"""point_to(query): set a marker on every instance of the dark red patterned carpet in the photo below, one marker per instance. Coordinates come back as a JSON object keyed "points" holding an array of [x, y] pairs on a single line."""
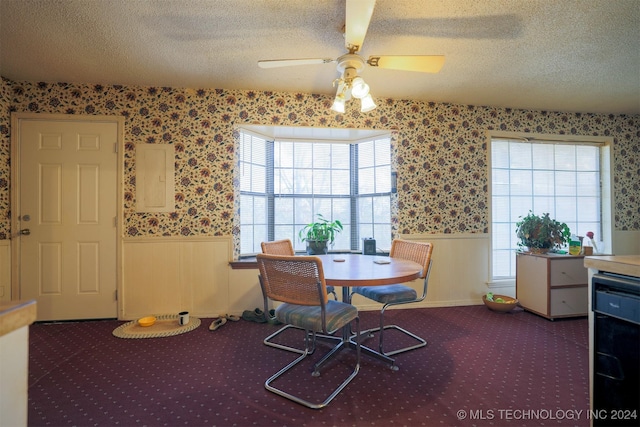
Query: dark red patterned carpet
{"points": [[479, 368]]}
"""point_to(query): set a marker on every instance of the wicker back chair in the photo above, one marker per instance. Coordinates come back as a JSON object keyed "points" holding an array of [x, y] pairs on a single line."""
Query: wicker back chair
{"points": [[278, 247], [285, 247], [281, 247], [390, 295], [298, 282]]}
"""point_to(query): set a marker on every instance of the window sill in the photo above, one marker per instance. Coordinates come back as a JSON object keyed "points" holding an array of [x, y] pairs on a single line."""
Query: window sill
{"points": [[249, 263]]}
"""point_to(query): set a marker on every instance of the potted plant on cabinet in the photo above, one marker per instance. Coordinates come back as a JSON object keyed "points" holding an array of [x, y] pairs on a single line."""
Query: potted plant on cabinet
{"points": [[319, 234], [540, 234]]}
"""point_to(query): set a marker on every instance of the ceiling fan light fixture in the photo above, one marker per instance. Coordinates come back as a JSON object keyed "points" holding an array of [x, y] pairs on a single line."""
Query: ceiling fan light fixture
{"points": [[367, 104], [359, 89], [338, 104], [342, 95], [350, 84]]}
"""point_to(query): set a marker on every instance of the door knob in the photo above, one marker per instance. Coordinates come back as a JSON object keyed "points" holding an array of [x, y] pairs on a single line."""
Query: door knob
{"points": [[25, 232]]}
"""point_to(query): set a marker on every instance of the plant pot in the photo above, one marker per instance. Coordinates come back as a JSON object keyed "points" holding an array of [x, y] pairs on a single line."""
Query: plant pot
{"points": [[539, 250], [317, 247]]}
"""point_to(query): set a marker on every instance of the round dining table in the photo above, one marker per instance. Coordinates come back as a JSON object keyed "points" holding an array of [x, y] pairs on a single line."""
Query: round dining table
{"points": [[349, 270]]}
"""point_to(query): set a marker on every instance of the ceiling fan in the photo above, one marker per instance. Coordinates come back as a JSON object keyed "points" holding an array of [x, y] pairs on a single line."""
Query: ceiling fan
{"points": [[358, 16]]}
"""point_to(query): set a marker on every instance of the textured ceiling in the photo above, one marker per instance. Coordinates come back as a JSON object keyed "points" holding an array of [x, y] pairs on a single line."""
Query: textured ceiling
{"points": [[558, 55]]}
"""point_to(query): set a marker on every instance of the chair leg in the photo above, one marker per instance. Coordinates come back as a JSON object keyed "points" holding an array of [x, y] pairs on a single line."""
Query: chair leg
{"points": [[382, 328], [282, 393], [313, 405], [267, 341], [421, 341]]}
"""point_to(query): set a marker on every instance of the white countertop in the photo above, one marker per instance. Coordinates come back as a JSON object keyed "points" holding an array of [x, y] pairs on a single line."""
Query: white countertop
{"points": [[16, 314], [621, 264]]}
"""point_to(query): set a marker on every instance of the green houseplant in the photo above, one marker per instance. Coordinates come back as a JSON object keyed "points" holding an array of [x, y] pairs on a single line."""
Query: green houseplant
{"points": [[541, 233], [319, 234]]}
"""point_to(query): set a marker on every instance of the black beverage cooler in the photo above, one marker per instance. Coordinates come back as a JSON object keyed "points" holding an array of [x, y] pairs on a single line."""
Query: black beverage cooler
{"points": [[616, 376]]}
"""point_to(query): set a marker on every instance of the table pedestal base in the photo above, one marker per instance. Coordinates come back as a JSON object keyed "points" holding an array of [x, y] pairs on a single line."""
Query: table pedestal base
{"points": [[347, 342]]}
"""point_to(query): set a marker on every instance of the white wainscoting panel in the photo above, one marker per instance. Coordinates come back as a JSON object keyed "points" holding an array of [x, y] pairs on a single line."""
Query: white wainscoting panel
{"points": [[459, 271], [169, 275], [244, 291]]}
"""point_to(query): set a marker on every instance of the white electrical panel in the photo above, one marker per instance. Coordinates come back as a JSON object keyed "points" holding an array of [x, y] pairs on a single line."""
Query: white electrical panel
{"points": [[155, 178]]}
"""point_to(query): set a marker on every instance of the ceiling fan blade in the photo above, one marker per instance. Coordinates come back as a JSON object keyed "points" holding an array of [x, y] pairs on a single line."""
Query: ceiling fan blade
{"points": [[357, 22], [275, 63], [422, 63]]}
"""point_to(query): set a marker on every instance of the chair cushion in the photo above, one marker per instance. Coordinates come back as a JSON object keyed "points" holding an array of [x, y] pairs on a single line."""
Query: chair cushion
{"points": [[309, 316], [387, 294]]}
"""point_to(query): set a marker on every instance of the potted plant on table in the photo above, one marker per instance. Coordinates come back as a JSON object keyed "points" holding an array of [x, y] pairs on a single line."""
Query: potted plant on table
{"points": [[319, 235], [540, 234]]}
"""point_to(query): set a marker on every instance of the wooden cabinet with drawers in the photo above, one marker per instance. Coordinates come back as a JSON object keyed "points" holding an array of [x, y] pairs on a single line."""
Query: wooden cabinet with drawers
{"points": [[552, 285]]}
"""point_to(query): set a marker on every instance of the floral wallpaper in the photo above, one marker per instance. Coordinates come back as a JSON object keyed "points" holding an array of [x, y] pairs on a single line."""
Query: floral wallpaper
{"points": [[439, 150], [5, 160]]}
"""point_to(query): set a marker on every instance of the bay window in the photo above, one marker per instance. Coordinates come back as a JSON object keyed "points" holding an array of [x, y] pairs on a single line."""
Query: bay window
{"points": [[286, 183]]}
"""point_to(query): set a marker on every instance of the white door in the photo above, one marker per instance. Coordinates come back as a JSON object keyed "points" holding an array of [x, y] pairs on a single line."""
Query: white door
{"points": [[67, 213]]}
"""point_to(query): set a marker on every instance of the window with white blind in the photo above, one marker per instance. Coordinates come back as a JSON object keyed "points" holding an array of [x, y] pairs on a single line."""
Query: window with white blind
{"points": [[559, 178], [285, 184]]}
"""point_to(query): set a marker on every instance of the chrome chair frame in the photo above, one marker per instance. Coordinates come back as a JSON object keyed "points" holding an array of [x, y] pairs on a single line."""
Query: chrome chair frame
{"points": [[280, 247], [298, 282], [414, 251]]}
